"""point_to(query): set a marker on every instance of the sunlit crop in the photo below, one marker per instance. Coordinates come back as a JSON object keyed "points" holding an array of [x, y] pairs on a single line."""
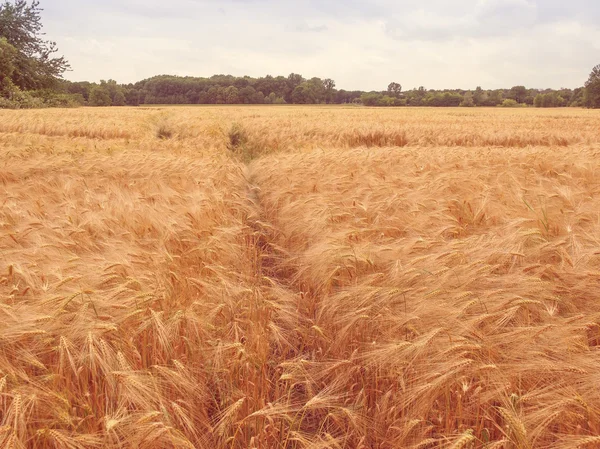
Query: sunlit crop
{"points": [[299, 277]]}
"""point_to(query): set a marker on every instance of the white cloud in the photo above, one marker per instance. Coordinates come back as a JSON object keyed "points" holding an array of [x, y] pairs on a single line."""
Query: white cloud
{"points": [[435, 43]]}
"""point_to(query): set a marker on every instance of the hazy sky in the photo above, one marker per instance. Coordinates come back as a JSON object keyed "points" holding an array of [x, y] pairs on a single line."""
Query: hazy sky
{"points": [[360, 44]]}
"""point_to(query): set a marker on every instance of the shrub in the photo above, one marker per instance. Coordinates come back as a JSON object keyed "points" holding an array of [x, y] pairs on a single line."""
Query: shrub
{"points": [[510, 103], [164, 131], [21, 100], [238, 142]]}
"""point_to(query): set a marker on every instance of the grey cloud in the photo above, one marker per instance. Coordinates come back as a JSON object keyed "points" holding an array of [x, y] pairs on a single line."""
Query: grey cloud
{"points": [[436, 43], [584, 11], [466, 19]]}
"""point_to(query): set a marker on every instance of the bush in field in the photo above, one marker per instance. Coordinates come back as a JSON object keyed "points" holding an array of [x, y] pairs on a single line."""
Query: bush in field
{"points": [[510, 103]]}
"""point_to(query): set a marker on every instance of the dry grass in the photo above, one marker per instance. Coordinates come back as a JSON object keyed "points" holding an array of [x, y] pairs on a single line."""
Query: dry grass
{"points": [[371, 279]]}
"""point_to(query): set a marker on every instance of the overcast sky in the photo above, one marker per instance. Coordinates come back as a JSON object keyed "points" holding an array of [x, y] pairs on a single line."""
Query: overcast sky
{"points": [[360, 44]]}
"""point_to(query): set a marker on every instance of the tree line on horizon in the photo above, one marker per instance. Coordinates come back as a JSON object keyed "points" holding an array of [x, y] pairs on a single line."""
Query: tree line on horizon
{"points": [[31, 76], [295, 89]]}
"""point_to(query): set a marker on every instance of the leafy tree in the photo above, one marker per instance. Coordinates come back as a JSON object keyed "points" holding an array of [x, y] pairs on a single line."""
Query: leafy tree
{"points": [[592, 89], [329, 85], [518, 93], [494, 97], [274, 99], [478, 96], [82, 88], [443, 99], [293, 80], [386, 100], [303, 94], [394, 89], [468, 100], [371, 98], [132, 97], [35, 65], [549, 100], [577, 97], [8, 54], [231, 95], [538, 101], [100, 96], [248, 95], [119, 98]]}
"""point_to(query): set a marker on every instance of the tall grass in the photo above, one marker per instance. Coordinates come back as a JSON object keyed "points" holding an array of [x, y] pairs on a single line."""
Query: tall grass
{"points": [[382, 291]]}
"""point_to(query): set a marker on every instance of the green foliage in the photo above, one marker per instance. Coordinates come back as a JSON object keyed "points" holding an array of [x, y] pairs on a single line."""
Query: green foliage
{"points": [[371, 98], [100, 96], [378, 99], [8, 54], [227, 89], [55, 99], [510, 103], [518, 94], [119, 98], [272, 98], [394, 89], [21, 100], [35, 67], [591, 97], [577, 98], [443, 99], [310, 92], [329, 85], [231, 95], [468, 101], [108, 93], [550, 100]]}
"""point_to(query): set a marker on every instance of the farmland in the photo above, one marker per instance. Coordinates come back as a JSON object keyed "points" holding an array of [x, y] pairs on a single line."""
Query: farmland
{"points": [[299, 277]]}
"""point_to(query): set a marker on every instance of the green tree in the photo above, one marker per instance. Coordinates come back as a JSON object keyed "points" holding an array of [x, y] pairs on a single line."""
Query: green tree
{"points": [[274, 99], [577, 97], [119, 98], [329, 85], [394, 90], [35, 65], [549, 100], [100, 96], [371, 98], [293, 81], [231, 95], [468, 100], [592, 89], [132, 97], [517, 93], [303, 94], [8, 54], [538, 101], [478, 96]]}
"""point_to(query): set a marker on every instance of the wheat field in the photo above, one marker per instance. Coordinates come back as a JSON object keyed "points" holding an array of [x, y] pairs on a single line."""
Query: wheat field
{"points": [[299, 277]]}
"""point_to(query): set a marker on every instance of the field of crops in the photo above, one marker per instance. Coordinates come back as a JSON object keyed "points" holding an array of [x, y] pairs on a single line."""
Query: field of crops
{"points": [[299, 277]]}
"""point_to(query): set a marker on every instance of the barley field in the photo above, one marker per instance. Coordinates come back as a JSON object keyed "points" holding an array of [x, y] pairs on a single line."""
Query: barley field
{"points": [[299, 277]]}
